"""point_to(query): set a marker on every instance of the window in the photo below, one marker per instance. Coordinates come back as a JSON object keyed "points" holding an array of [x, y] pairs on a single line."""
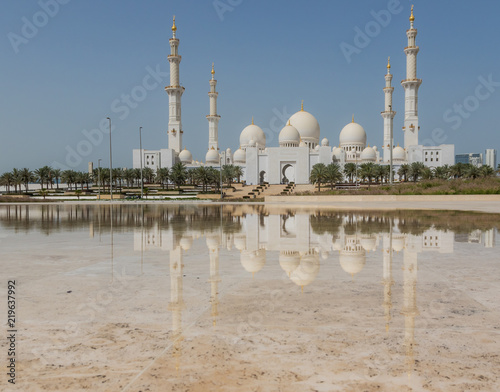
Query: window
{"points": [[426, 159], [437, 159], [426, 153]]}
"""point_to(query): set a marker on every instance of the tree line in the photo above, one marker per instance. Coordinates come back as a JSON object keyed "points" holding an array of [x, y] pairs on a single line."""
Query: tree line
{"points": [[177, 175], [370, 172]]}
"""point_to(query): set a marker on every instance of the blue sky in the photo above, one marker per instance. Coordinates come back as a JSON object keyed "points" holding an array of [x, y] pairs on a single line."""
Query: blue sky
{"points": [[63, 77]]}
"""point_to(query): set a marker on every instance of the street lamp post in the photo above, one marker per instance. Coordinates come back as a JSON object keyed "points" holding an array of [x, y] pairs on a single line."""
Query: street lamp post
{"points": [[110, 163], [99, 177], [220, 170], [391, 177], [140, 147]]}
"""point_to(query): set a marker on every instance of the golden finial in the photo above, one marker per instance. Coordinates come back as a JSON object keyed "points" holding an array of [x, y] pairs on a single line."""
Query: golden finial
{"points": [[174, 27], [252, 120], [412, 18], [389, 63], [302, 106], [213, 71], [353, 117], [289, 122]]}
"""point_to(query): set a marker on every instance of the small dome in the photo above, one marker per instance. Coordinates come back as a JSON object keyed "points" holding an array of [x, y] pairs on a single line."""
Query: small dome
{"points": [[239, 156], [307, 271], [369, 154], [185, 156], [253, 261], [368, 243], [252, 143], [289, 136], [337, 154], [186, 242], [307, 125], [352, 134], [316, 148], [325, 142], [289, 261], [352, 263], [375, 148], [398, 243], [398, 154], [212, 242], [228, 151], [252, 133], [212, 156]]}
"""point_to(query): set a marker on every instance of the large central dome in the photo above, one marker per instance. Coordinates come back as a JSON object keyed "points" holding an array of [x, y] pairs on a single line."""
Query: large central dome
{"points": [[353, 135], [308, 127]]}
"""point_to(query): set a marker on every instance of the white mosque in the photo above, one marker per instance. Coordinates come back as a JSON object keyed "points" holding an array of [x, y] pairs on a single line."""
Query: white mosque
{"points": [[299, 141]]}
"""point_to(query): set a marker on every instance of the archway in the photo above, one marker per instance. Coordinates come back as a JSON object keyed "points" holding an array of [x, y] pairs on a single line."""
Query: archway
{"points": [[262, 177], [287, 174]]}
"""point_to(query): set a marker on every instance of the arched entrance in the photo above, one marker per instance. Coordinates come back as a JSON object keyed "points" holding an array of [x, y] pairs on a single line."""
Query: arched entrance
{"points": [[287, 174], [262, 177]]}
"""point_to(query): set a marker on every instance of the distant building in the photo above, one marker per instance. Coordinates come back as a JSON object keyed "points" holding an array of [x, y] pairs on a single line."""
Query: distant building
{"points": [[472, 158], [491, 158]]}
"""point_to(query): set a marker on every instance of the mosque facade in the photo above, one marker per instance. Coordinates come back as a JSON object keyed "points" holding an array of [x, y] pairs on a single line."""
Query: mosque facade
{"points": [[299, 147]]}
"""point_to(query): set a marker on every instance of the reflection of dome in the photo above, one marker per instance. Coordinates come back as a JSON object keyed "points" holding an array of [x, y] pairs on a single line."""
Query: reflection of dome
{"points": [[398, 153], [352, 263], [337, 245], [255, 133], [307, 271], [240, 242], [212, 242], [398, 243], [253, 261], [289, 261], [325, 142], [369, 243], [352, 134], [308, 127], [212, 156], [289, 136], [239, 156], [185, 156], [369, 154], [186, 243]]}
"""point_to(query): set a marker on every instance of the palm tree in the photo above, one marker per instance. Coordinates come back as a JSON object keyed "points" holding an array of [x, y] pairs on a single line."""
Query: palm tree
{"points": [[16, 179], [178, 174], [368, 171], [379, 173], [427, 174], [403, 171], [148, 174], [458, 170], [56, 174], [472, 171], [129, 177], [416, 170], [441, 172], [386, 173], [238, 172], [486, 171], [350, 171], [214, 177], [204, 176], [318, 174], [228, 174], [27, 177], [69, 177], [6, 180], [333, 174], [162, 176]]}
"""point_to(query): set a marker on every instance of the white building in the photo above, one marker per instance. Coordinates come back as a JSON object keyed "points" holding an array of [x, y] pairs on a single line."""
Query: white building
{"points": [[299, 141], [491, 158]]}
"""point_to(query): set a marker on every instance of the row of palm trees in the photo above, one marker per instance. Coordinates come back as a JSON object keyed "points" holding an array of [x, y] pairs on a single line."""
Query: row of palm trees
{"points": [[178, 175], [369, 172]]}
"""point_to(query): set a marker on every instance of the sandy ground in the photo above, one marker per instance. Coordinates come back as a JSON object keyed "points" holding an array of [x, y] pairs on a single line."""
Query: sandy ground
{"points": [[92, 318]]}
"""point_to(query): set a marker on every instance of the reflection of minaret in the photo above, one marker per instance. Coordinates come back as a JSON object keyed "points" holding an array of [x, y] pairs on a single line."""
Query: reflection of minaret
{"points": [[176, 304], [214, 282], [387, 281], [174, 91], [410, 306]]}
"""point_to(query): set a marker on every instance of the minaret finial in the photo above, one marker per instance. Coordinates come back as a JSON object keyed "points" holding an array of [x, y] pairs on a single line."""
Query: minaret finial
{"points": [[252, 121], [353, 117], [302, 106], [389, 65], [174, 27], [412, 17], [213, 71]]}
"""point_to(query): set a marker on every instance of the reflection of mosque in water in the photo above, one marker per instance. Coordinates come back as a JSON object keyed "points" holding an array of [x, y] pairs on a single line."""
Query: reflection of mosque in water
{"points": [[302, 240]]}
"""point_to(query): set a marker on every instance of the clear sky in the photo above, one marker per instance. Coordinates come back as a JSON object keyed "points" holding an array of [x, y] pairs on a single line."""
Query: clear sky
{"points": [[67, 64]]}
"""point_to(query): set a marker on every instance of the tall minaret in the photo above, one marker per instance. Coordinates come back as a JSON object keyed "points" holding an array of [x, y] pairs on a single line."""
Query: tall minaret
{"points": [[411, 85], [388, 114], [174, 91], [213, 118]]}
